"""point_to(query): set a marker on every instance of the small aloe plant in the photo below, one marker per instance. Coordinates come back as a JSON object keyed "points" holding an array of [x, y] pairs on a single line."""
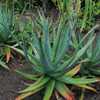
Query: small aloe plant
{"points": [[5, 31], [51, 71], [5, 24], [91, 66], [7, 43]]}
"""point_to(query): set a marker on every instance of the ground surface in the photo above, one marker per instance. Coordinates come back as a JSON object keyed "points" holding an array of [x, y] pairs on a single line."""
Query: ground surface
{"points": [[10, 84]]}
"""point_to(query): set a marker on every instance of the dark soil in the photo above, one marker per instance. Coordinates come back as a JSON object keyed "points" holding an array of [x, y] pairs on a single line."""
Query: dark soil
{"points": [[10, 84]]}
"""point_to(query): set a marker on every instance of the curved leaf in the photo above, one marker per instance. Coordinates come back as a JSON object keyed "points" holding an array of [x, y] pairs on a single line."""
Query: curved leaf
{"points": [[28, 76], [24, 95], [64, 91], [74, 71], [39, 83], [3, 65], [49, 90], [76, 81], [87, 87]]}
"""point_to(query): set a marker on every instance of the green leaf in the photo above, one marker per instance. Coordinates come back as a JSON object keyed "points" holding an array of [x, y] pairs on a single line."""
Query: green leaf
{"points": [[16, 49], [45, 43], [64, 91], [63, 66], [76, 81], [95, 70], [3, 65], [49, 90], [24, 95], [96, 52], [63, 45], [33, 59], [87, 87], [27, 76], [39, 83], [5, 24], [36, 43], [74, 71], [89, 33], [38, 66], [82, 95], [81, 51], [58, 37], [45, 40]]}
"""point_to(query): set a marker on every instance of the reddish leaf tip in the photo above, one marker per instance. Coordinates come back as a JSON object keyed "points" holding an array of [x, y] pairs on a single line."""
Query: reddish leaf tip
{"points": [[18, 98], [70, 97]]}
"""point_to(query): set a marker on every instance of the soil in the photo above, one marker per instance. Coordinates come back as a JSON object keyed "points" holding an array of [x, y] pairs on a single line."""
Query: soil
{"points": [[10, 84]]}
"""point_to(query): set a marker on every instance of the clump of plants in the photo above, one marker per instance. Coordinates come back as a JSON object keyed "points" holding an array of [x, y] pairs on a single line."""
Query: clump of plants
{"points": [[60, 53], [5, 33], [8, 42], [55, 66], [83, 8], [92, 55]]}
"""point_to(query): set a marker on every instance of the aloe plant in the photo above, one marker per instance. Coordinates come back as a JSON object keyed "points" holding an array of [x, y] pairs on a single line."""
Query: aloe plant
{"points": [[5, 24], [50, 69], [7, 43], [91, 57], [5, 29]]}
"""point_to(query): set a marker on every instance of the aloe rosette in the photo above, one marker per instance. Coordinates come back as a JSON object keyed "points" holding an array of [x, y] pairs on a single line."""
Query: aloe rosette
{"points": [[52, 71]]}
